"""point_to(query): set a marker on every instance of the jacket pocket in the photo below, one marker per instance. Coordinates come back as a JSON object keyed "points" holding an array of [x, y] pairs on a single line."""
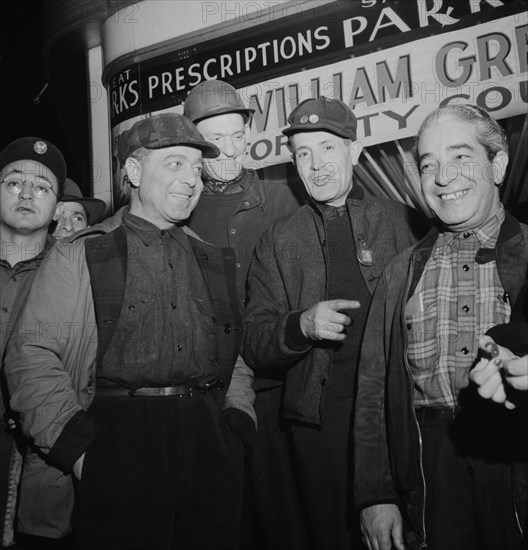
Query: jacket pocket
{"points": [[421, 329]]}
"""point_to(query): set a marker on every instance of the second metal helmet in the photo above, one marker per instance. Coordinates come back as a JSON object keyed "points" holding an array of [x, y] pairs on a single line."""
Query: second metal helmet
{"points": [[214, 97]]}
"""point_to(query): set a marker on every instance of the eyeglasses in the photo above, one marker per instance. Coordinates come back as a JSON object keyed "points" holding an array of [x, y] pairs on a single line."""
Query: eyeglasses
{"points": [[16, 185]]}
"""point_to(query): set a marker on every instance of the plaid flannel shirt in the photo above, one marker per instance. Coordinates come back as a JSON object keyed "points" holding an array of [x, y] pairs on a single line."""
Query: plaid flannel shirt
{"points": [[455, 301]]}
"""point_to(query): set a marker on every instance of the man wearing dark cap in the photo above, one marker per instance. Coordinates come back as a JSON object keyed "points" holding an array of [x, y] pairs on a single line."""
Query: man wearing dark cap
{"points": [[235, 208], [76, 212], [32, 172], [137, 391], [309, 289]]}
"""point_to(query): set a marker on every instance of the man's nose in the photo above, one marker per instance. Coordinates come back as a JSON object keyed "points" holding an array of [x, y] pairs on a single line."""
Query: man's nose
{"points": [[446, 172], [27, 191], [228, 147], [189, 177], [66, 223]]}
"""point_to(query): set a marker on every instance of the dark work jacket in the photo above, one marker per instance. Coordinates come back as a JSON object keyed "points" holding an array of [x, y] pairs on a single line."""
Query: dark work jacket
{"points": [[387, 447], [288, 275], [106, 257]]}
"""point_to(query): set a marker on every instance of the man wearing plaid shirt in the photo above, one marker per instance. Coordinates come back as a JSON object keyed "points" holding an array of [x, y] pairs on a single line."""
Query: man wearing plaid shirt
{"points": [[434, 464]]}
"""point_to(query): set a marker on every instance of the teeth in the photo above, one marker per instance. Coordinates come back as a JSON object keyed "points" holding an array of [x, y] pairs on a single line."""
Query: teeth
{"points": [[453, 196], [180, 196]]}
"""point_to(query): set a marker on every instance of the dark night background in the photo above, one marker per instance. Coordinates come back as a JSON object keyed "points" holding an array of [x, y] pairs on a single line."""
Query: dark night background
{"points": [[23, 77]]}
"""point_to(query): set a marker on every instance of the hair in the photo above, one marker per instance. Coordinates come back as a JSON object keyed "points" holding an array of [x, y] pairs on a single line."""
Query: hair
{"points": [[488, 131]]}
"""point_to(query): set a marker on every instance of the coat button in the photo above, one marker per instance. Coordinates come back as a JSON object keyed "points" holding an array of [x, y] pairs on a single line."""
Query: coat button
{"points": [[246, 203], [232, 231], [464, 350], [227, 328], [179, 347], [465, 267], [173, 305], [465, 309], [467, 234], [131, 307]]}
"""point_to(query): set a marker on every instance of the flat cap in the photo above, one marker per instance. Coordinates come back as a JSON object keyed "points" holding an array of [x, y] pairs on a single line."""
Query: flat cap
{"points": [[160, 131], [323, 114], [37, 149]]}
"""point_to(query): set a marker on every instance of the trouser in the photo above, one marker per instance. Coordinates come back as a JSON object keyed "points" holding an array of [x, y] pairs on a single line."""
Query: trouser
{"points": [[278, 522], [7, 444], [164, 473], [323, 455], [469, 501]]}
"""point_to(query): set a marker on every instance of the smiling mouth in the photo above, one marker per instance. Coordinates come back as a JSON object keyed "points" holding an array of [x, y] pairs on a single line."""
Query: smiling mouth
{"points": [[454, 196], [320, 180], [25, 210], [181, 196]]}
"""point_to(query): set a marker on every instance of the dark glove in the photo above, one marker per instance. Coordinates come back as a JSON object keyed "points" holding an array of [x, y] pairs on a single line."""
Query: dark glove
{"points": [[242, 424]]}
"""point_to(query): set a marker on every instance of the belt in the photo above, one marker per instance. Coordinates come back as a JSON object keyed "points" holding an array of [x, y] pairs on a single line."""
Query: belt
{"points": [[434, 413], [167, 391]]}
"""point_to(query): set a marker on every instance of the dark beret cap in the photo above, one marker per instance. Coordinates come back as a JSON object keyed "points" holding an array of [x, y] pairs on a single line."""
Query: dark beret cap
{"points": [[37, 149]]}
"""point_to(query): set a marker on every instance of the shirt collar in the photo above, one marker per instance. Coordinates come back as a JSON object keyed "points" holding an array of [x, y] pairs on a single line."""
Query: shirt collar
{"points": [[148, 232], [486, 235], [329, 212]]}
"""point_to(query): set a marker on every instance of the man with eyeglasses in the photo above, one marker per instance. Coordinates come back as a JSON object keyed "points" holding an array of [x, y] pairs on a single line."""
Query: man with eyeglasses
{"points": [[32, 172]]}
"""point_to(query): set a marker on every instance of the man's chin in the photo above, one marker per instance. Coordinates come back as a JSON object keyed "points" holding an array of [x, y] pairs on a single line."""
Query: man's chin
{"points": [[227, 174]]}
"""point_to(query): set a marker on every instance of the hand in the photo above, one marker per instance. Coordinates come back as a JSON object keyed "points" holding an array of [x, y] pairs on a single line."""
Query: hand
{"points": [[324, 322], [381, 526], [489, 376], [516, 373], [78, 466]]}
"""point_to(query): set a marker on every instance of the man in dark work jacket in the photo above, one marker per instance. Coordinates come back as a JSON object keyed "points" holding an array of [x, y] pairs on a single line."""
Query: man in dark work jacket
{"points": [[236, 207], [309, 289], [138, 408]]}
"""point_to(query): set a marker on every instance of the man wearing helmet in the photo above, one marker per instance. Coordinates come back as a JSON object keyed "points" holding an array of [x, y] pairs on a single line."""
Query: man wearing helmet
{"points": [[234, 210]]}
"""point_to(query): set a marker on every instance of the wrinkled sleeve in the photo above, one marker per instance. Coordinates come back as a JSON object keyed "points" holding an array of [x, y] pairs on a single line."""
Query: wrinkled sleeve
{"points": [[268, 314], [372, 475], [240, 394], [52, 322]]}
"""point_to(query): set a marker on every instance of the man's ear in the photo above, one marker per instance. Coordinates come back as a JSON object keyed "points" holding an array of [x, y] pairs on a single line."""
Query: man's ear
{"points": [[59, 209], [355, 148], [500, 163], [133, 170], [247, 129]]}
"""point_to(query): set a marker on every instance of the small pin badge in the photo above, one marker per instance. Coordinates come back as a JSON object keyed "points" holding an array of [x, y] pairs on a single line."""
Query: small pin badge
{"points": [[365, 257], [313, 118], [40, 147], [303, 119]]}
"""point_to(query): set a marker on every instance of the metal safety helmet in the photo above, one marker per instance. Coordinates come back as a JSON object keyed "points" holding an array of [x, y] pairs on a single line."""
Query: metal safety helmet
{"points": [[214, 97]]}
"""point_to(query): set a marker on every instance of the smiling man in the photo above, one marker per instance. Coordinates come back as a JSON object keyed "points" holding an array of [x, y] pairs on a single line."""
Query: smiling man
{"points": [[143, 401], [436, 463], [32, 172], [235, 208], [309, 290]]}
